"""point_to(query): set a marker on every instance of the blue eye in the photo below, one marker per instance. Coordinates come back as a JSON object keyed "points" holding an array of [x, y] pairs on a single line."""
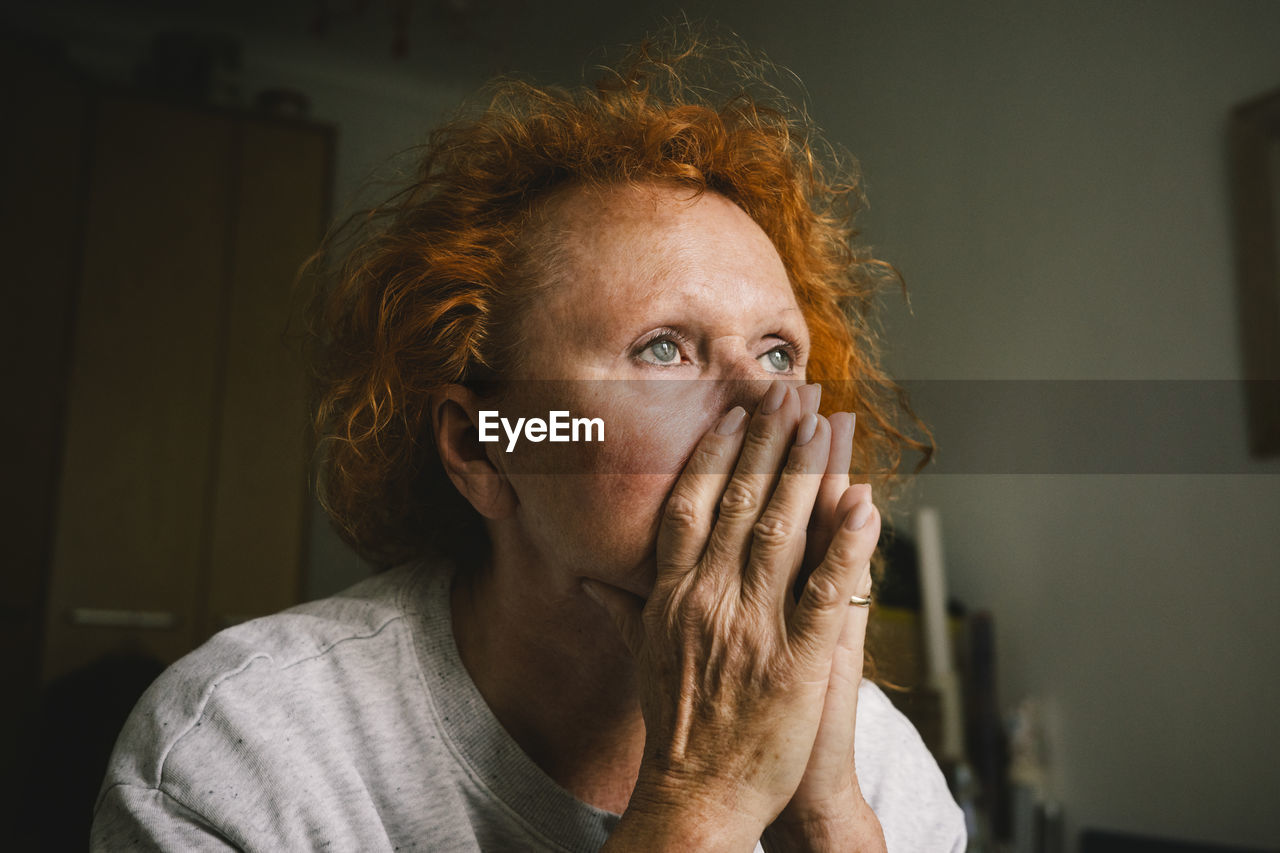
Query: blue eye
{"points": [[778, 360], [661, 351]]}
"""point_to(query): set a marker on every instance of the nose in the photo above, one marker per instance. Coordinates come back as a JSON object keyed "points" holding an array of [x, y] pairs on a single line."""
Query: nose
{"points": [[744, 391], [745, 383], [741, 380]]}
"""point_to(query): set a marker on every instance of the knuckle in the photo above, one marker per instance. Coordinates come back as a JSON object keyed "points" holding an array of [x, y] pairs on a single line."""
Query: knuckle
{"points": [[757, 442], [842, 553], [797, 463], [823, 594], [680, 513], [692, 611], [738, 500], [705, 456], [772, 531], [700, 600]]}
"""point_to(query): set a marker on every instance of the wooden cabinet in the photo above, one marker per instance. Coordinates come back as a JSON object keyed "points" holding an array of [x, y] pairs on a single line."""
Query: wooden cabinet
{"points": [[165, 491], [182, 495]]}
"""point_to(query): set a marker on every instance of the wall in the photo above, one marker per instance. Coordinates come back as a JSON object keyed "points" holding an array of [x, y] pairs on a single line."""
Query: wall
{"points": [[1052, 180]]}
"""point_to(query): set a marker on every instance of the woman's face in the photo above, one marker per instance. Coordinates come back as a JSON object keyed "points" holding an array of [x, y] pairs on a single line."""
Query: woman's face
{"points": [[645, 285]]}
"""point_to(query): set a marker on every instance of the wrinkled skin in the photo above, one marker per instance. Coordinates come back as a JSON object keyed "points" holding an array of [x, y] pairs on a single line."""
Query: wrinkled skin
{"points": [[642, 584]]}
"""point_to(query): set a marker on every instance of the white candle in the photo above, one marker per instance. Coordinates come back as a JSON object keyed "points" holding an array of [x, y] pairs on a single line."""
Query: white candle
{"points": [[933, 599]]}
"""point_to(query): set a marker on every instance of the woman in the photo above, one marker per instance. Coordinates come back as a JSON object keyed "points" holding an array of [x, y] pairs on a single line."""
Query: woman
{"points": [[646, 639]]}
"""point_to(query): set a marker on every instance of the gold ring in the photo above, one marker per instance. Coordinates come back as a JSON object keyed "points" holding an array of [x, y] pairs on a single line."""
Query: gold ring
{"points": [[859, 601]]}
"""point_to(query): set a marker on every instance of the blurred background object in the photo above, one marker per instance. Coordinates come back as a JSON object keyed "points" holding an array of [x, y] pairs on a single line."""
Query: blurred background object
{"points": [[160, 483], [68, 740], [197, 68]]}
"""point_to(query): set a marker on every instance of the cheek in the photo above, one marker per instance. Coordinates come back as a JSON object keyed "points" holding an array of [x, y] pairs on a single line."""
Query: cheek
{"points": [[651, 432], [622, 483], [626, 480], [650, 428], [620, 513], [603, 501]]}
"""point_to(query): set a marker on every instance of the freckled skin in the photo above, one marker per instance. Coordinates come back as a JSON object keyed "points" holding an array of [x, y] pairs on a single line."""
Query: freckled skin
{"points": [[636, 260], [630, 263]]}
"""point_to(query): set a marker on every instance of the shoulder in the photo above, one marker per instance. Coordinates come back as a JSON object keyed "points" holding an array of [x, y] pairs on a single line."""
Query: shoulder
{"points": [[263, 704], [901, 780]]}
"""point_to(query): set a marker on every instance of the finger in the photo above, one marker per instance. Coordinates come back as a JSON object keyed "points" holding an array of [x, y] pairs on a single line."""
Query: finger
{"points": [[831, 762], [691, 506], [836, 478], [853, 634], [819, 616], [623, 608], [764, 447], [846, 670], [822, 524], [810, 397], [778, 538], [846, 666]]}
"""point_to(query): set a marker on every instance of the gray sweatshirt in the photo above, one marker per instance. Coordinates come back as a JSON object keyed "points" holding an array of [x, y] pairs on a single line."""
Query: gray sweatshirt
{"points": [[350, 724]]}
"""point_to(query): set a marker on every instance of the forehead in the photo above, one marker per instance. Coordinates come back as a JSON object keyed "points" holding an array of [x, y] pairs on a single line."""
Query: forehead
{"points": [[612, 250]]}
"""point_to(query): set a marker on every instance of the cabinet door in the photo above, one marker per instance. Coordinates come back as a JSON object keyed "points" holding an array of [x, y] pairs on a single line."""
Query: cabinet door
{"points": [[133, 520], [42, 174], [261, 510]]}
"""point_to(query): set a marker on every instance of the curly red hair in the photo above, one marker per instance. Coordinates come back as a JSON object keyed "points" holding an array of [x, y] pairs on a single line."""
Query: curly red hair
{"points": [[435, 279]]}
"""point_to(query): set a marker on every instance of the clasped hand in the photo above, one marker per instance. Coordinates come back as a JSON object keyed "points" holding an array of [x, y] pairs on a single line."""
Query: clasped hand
{"points": [[749, 696]]}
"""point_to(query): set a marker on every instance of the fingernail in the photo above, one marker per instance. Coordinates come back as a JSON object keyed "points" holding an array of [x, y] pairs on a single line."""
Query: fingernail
{"points": [[732, 421], [773, 400], [861, 512], [808, 426], [590, 589]]}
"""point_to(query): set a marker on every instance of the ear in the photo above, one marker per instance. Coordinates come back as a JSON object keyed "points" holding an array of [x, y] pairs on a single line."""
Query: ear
{"points": [[465, 458]]}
